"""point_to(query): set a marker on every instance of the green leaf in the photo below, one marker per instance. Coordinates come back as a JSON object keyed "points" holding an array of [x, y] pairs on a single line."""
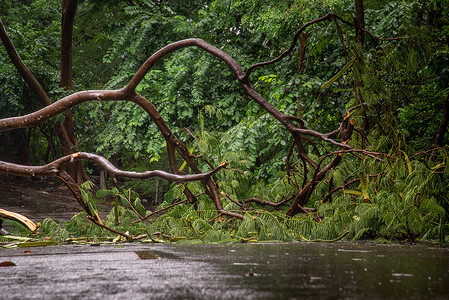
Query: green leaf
{"points": [[139, 207], [104, 193]]}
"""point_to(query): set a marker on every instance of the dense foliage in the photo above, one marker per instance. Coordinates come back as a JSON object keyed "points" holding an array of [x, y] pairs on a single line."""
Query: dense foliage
{"points": [[402, 85]]}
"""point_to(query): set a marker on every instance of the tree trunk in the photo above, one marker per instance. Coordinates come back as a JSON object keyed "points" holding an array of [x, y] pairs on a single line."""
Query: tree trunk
{"points": [[302, 52], [359, 41], [442, 128], [67, 20], [66, 132], [22, 142], [5, 143], [359, 21]]}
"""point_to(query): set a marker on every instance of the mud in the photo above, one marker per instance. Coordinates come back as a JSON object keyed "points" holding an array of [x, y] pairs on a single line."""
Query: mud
{"points": [[38, 199]]}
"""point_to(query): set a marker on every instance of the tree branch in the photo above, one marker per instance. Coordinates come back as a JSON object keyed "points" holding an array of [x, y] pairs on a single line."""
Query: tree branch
{"points": [[54, 167], [26, 74]]}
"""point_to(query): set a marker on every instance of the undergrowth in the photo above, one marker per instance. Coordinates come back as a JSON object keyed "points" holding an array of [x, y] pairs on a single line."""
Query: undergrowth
{"points": [[398, 199]]}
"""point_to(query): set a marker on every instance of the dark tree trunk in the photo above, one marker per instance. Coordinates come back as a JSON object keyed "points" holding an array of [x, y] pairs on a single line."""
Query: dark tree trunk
{"points": [[23, 142], [67, 20], [359, 21], [66, 132], [442, 128], [302, 52], [5, 143]]}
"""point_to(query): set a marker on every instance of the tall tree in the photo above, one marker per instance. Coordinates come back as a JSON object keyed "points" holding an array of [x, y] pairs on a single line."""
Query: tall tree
{"points": [[66, 129], [67, 21]]}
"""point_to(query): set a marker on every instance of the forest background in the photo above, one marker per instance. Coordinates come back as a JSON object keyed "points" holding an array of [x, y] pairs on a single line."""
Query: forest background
{"points": [[379, 71]]}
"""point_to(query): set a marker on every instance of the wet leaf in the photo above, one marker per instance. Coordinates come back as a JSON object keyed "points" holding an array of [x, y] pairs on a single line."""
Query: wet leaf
{"points": [[145, 255], [7, 264], [37, 244], [139, 207], [19, 238]]}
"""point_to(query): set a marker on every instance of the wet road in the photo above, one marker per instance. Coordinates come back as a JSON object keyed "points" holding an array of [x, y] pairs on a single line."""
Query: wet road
{"points": [[226, 271]]}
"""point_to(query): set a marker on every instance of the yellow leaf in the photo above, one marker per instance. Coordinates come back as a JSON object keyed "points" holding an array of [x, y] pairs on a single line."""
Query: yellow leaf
{"points": [[341, 72], [407, 161], [352, 192], [185, 163], [364, 190]]}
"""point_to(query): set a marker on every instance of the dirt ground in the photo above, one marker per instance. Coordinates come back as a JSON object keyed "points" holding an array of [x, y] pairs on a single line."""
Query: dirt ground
{"points": [[38, 198]]}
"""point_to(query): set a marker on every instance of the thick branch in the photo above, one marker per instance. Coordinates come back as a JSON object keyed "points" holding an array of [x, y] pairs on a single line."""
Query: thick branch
{"points": [[19, 218], [233, 65], [54, 167], [22, 68], [58, 107]]}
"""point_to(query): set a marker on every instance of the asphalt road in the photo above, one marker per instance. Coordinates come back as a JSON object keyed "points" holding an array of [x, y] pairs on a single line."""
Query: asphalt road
{"points": [[225, 271]]}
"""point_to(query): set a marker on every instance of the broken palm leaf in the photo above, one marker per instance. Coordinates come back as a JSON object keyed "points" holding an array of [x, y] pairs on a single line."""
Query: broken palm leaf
{"points": [[18, 238], [37, 244], [364, 190], [407, 161], [352, 192], [339, 74]]}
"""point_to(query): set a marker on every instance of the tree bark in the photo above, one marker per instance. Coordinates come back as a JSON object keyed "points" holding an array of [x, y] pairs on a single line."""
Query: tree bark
{"points": [[359, 21], [302, 52]]}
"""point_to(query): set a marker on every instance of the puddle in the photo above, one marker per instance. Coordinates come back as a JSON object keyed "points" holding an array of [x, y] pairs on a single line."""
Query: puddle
{"points": [[353, 250], [402, 275]]}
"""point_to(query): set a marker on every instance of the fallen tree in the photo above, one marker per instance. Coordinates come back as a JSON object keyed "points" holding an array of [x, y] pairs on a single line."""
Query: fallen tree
{"points": [[313, 170]]}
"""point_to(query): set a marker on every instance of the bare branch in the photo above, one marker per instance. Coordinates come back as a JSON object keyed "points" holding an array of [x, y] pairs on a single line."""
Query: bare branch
{"points": [[128, 237], [161, 210], [22, 68], [292, 45], [53, 169], [232, 200]]}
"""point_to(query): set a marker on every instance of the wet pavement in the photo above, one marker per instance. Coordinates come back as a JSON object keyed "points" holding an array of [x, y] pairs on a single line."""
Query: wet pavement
{"points": [[226, 271], [208, 271]]}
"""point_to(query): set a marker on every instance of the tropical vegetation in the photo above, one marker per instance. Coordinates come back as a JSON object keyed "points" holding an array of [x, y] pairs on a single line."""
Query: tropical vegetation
{"points": [[301, 120]]}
